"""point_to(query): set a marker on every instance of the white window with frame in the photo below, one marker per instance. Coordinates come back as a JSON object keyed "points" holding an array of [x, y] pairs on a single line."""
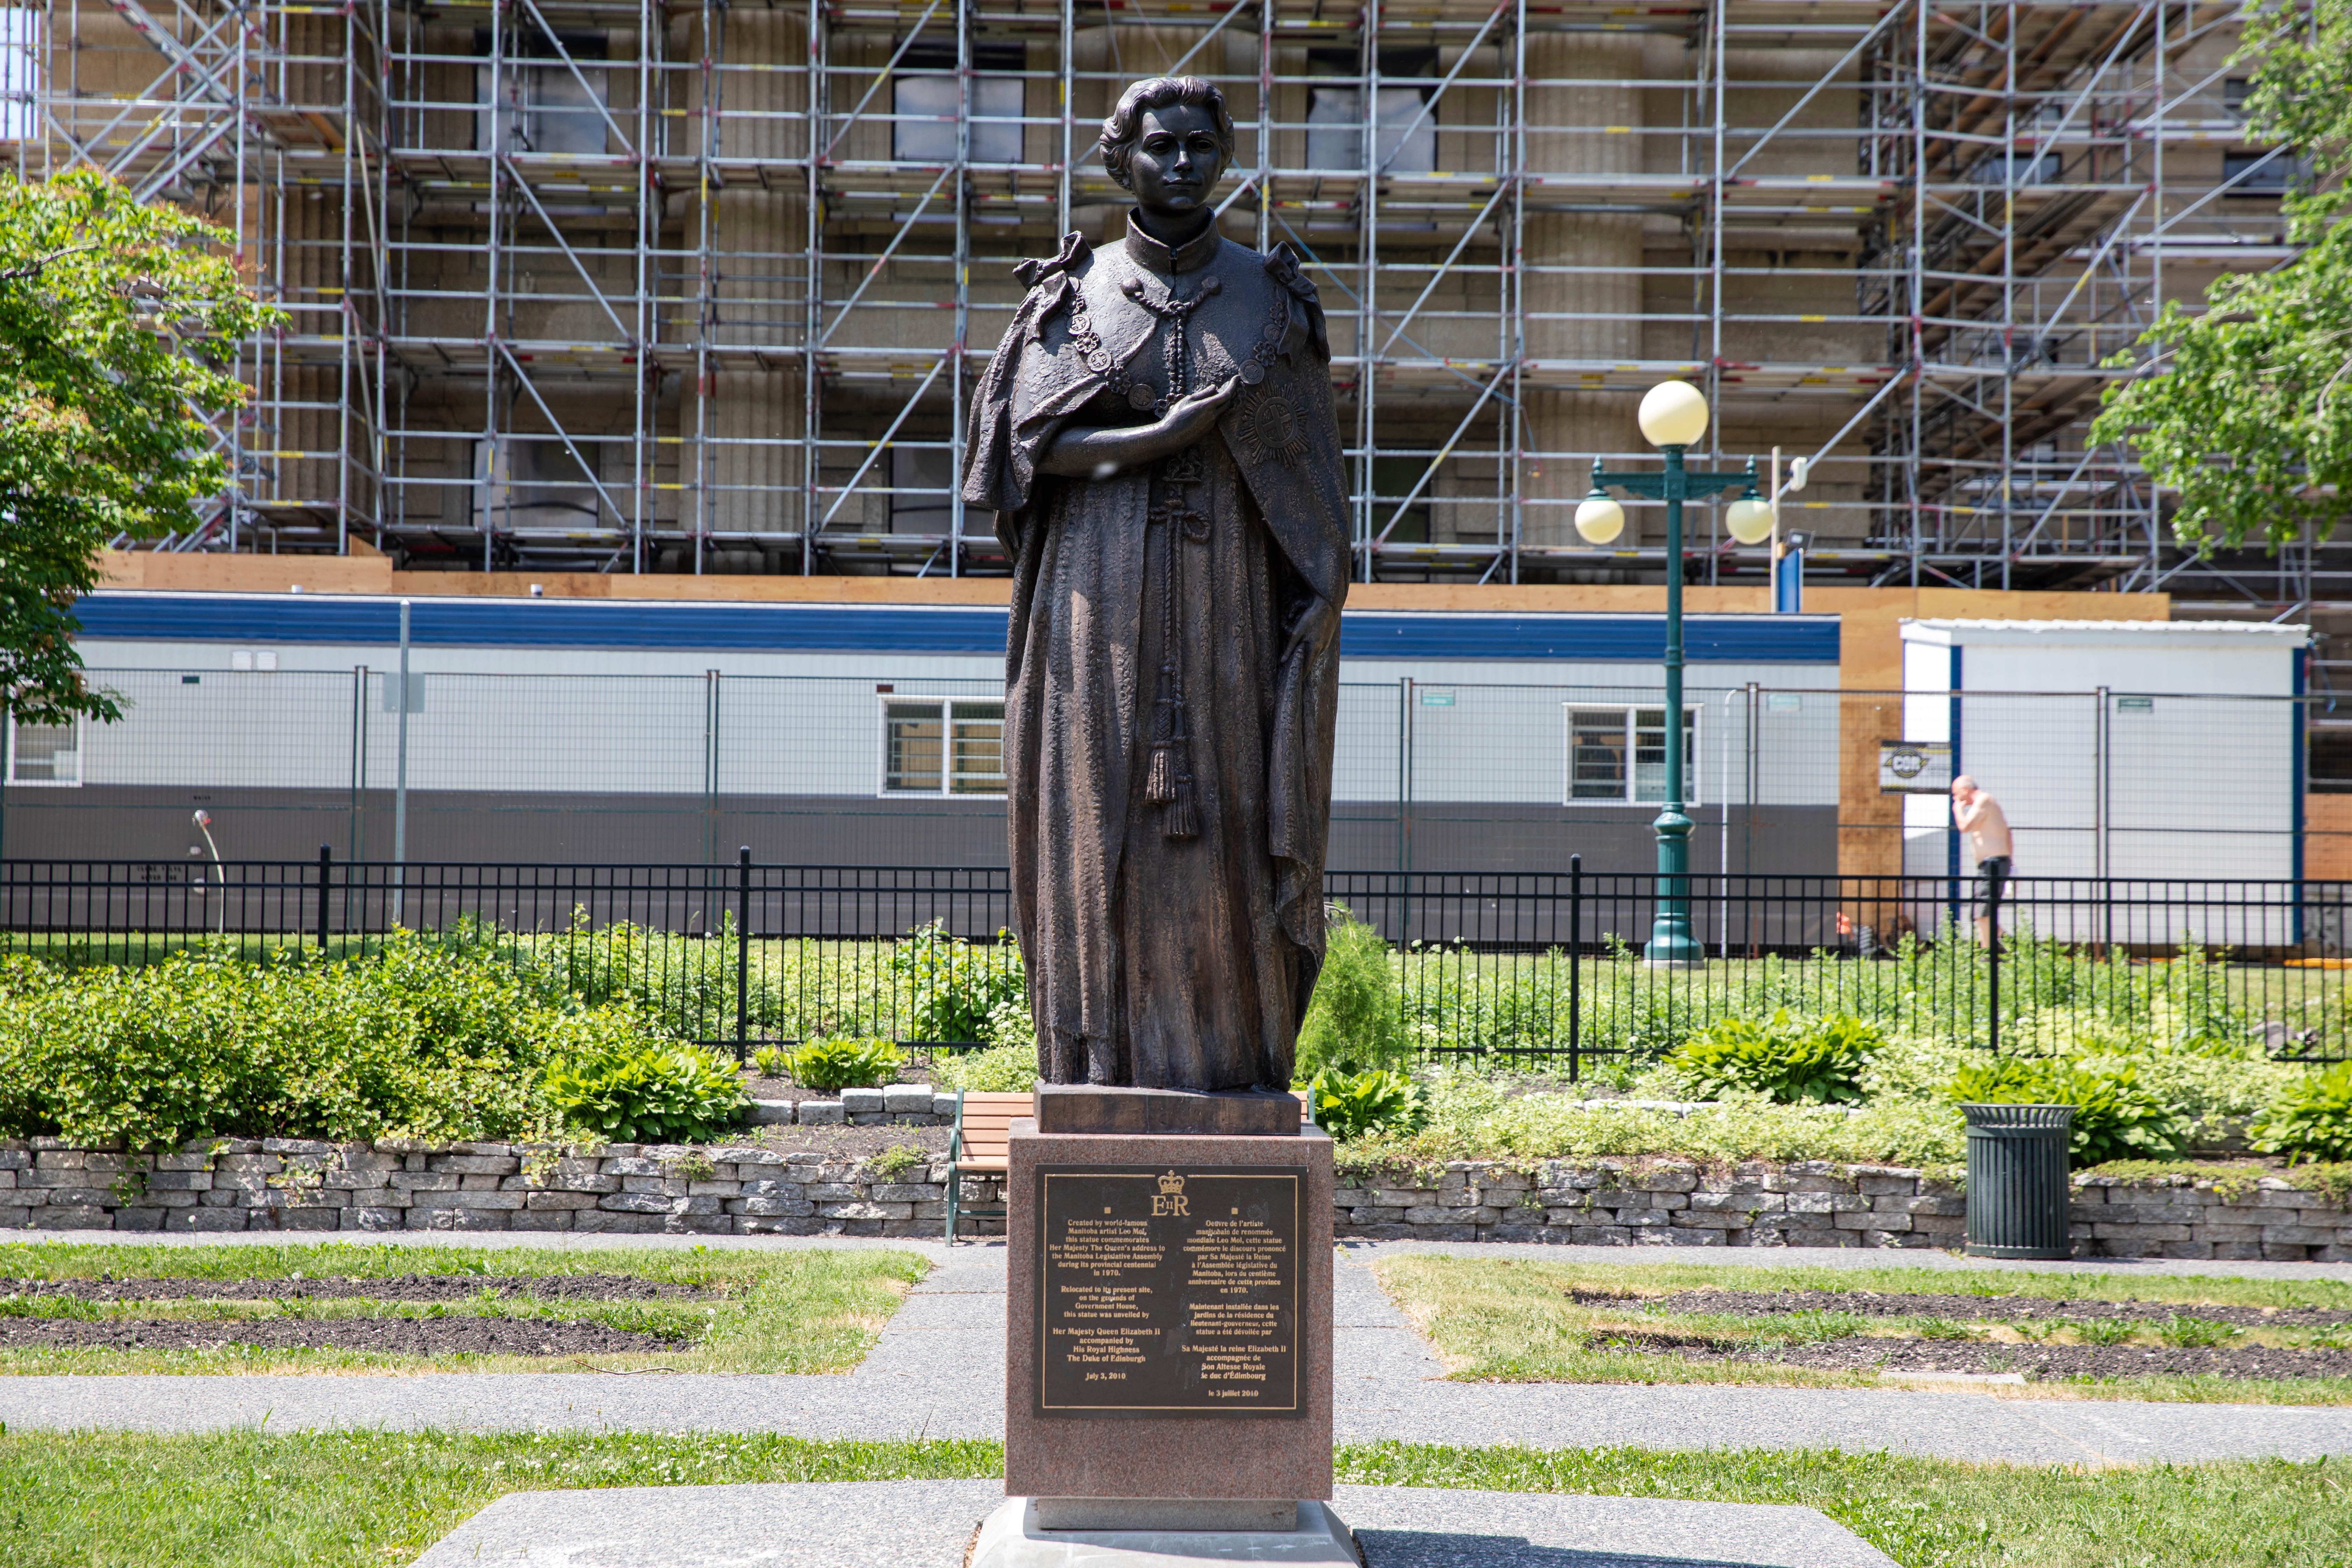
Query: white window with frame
{"points": [[942, 746], [1620, 754], [45, 753], [926, 97]]}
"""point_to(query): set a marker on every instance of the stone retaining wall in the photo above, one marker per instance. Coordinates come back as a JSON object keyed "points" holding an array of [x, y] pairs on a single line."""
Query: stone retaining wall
{"points": [[280, 1184], [1670, 1203], [289, 1184]]}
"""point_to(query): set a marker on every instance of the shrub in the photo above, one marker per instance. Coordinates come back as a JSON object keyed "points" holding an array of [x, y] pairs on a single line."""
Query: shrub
{"points": [[2311, 1119], [894, 1163], [685, 985], [1472, 1118], [1357, 1018], [1350, 1105], [1818, 1061], [956, 987], [999, 1069], [420, 1041], [2115, 1117], [848, 1063], [648, 1094]]}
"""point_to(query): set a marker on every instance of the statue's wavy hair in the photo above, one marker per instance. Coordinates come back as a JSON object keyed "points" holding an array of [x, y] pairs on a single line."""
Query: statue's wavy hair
{"points": [[1124, 125]]}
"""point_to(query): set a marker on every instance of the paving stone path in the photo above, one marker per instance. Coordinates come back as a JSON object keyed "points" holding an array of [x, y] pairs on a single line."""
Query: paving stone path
{"points": [[937, 1371]]}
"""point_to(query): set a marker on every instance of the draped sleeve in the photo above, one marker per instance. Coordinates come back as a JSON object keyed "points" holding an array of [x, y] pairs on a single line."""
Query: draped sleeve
{"points": [[1031, 388]]}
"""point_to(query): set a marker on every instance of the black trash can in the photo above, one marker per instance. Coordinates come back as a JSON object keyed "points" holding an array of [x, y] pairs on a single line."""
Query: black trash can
{"points": [[2018, 1199]]}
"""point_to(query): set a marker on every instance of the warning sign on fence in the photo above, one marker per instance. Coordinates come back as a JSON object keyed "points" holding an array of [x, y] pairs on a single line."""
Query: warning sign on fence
{"points": [[1915, 767]]}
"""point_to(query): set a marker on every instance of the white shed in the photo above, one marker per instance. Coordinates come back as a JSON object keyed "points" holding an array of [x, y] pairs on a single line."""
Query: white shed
{"points": [[2122, 749]]}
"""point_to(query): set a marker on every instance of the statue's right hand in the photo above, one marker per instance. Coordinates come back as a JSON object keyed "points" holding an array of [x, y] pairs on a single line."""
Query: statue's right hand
{"points": [[1194, 415]]}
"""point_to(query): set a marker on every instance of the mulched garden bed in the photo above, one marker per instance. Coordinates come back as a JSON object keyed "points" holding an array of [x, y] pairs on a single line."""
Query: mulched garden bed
{"points": [[1962, 1309], [452, 1335], [403, 1287], [2039, 1364]]}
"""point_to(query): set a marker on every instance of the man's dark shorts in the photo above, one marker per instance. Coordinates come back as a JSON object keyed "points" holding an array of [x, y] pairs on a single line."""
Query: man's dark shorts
{"points": [[1992, 877]]}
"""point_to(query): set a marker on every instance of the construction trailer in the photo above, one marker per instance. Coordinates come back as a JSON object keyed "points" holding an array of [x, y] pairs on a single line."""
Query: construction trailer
{"points": [[705, 286]]}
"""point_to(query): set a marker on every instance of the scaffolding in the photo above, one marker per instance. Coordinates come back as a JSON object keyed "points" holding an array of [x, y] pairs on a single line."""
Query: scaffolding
{"points": [[705, 286]]}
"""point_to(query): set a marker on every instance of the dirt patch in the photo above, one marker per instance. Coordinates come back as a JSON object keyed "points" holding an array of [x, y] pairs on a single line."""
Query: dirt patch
{"points": [[2039, 1364], [1962, 1309], [401, 1288], [452, 1335]]}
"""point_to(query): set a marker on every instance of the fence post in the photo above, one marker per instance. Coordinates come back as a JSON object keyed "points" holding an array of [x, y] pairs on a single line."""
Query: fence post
{"points": [[326, 870], [1575, 942], [1992, 962], [742, 949]]}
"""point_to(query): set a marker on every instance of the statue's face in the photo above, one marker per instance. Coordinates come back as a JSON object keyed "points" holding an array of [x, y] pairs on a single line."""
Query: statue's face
{"points": [[1177, 160]]}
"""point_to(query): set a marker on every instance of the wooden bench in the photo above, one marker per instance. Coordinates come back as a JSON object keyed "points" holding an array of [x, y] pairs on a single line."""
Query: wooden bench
{"points": [[981, 1144]]}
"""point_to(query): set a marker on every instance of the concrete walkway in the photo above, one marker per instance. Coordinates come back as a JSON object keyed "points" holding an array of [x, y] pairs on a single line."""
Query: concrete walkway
{"points": [[938, 1372]]}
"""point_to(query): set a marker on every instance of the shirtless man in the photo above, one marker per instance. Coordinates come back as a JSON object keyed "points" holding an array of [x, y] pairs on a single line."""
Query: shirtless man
{"points": [[1979, 816]]}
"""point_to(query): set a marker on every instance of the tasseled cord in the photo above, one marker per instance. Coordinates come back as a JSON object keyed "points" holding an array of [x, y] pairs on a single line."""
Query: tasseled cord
{"points": [[1169, 784]]}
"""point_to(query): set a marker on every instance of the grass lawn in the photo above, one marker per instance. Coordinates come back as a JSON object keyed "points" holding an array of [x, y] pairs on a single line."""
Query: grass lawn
{"points": [[815, 1311], [1511, 1321], [368, 1500]]}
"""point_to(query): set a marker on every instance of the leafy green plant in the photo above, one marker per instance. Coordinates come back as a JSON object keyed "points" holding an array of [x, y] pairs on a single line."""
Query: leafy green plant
{"points": [[2105, 1330], [1357, 1018], [1813, 1061], [418, 1040], [848, 1063], [2115, 1116], [2312, 1120], [2194, 1333], [894, 1163], [999, 1069], [772, 1061], [1351, 1105], [673, 1094], [956, 987]]}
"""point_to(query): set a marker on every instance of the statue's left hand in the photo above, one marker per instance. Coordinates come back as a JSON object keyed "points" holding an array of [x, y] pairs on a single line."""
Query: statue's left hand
{"points": [[1317, 625]]}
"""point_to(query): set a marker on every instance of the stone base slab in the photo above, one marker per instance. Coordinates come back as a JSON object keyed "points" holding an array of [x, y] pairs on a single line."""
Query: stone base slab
{"points": [[1014, 1536], [1156, 1514]]}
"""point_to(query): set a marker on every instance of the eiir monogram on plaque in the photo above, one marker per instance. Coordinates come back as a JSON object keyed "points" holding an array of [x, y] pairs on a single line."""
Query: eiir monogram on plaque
{"points": [[1167, 1290]]}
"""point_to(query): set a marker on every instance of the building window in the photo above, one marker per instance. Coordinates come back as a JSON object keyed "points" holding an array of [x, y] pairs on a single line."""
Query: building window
{"points": [[1335, 114], [1620, 754], [922, 479], [557, 107], [45, 753], [942, 746], [536, 481], [2262, 174], [926, 87]]}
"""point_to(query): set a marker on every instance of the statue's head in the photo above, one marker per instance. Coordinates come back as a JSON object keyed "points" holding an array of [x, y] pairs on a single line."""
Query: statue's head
{"points": [[1169, 142]]}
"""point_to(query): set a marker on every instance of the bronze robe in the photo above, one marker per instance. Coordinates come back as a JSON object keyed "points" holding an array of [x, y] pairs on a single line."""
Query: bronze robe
{"points": [[1160, 961]]}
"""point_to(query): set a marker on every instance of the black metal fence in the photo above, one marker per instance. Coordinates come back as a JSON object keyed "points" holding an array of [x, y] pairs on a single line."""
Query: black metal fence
{"points": [[1547, 968]]}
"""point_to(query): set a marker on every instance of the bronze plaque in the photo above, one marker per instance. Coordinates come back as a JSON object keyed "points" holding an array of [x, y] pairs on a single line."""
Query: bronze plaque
{"points": [[1167, 1290]]}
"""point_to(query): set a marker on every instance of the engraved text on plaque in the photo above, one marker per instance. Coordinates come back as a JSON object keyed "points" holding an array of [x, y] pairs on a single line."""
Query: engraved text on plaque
{"points": [[1167, 1290]]}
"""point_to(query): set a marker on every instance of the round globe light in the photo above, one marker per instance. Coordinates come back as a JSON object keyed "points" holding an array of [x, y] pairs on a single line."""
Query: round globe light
{"points": [[1750, 521], [1673, 414], [1600, 520]]}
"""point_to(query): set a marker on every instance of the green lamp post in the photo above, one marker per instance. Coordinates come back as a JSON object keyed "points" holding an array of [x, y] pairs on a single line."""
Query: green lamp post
{"points": [[1674, 416]]}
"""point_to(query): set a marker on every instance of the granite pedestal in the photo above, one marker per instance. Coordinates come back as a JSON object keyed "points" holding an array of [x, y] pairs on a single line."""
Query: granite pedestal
{"points": [[1168, 1349]]}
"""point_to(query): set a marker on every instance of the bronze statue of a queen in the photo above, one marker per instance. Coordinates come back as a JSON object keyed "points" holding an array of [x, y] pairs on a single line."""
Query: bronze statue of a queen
{"points": [[1156, 436]]}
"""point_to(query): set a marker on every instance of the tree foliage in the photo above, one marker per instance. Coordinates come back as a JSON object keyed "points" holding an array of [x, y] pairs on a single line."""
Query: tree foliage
{"points": [[2246, 413], [116, 321]]}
